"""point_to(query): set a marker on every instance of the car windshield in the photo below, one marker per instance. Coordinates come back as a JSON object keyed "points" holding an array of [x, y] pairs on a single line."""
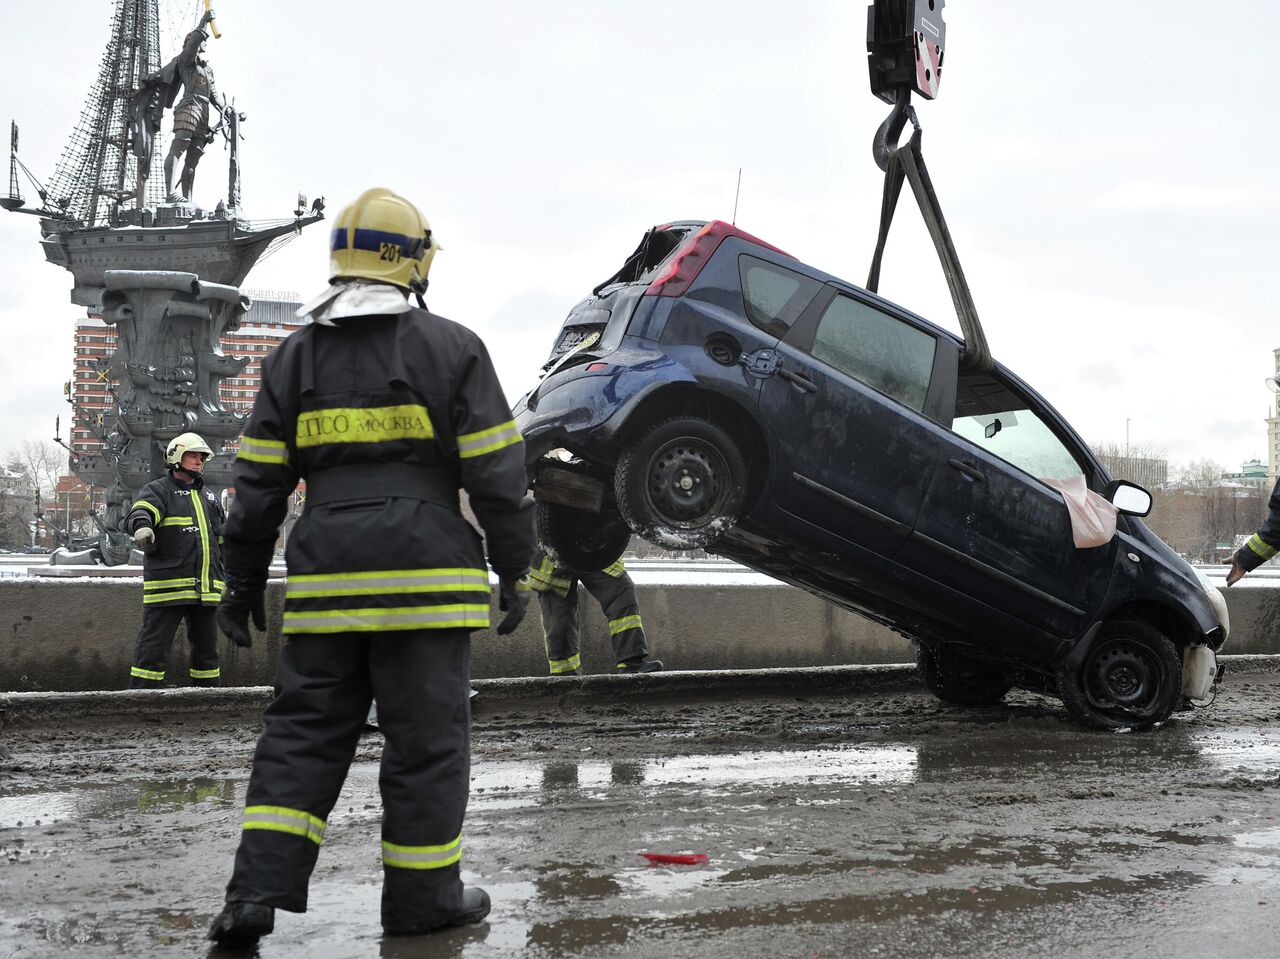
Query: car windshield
{"points": [[992, 416], [658, 244]]}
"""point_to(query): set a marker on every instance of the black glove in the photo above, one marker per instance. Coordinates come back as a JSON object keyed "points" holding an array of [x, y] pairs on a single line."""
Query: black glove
{"points": [[242, 597], [513, 599]]}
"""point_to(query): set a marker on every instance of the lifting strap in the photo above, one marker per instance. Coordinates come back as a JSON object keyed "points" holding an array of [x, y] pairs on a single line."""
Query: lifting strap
{"points": [[907, 162]]}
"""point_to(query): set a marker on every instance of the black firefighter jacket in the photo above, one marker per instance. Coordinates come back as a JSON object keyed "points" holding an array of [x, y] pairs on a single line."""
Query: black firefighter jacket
{"points": [[185, 564], [385, 417]]}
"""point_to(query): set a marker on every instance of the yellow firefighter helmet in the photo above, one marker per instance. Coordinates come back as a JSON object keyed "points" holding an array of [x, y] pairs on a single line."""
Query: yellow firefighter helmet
{"points": [[383, 237], [184, 443]]}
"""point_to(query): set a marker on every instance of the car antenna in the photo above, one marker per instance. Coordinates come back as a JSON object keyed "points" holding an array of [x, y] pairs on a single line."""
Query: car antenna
{"points": [[736, 193], [905, 41]]}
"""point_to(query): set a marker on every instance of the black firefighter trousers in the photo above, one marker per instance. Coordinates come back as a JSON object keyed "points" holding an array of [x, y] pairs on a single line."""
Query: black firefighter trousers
{"points": [[159, 623], [617, 598], [422, 683]]}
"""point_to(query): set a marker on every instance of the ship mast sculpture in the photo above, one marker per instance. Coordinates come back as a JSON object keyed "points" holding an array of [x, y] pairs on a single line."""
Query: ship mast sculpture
{"points": [[158, 267]]}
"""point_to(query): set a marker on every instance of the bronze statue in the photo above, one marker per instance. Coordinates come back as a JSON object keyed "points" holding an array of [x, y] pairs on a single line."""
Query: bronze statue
{"points": [[192, 130]]}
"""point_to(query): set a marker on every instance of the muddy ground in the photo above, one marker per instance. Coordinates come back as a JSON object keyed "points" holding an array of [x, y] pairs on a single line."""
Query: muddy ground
{"points": [[876, 824]]}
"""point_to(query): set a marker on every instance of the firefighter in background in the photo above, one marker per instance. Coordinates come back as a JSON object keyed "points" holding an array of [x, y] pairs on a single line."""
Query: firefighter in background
{"points": [[614, 590], [385, 410], [178, 524], [1265, 543]]}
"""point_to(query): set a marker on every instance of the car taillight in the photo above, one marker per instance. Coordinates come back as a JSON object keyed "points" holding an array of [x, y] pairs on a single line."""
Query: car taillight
{"points": [[688, 263]]}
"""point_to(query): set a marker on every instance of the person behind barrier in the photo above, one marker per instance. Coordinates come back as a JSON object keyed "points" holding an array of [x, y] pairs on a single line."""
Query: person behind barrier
{"points": [[614, 590], [177, 524]]}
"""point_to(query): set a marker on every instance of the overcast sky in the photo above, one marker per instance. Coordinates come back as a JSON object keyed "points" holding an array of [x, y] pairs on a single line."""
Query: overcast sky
{"points": [[1107, 171]]}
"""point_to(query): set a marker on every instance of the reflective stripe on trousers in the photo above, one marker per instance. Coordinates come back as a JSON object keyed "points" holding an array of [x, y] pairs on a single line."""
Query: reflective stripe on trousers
{"points": [[421, 857], [294, 822]]}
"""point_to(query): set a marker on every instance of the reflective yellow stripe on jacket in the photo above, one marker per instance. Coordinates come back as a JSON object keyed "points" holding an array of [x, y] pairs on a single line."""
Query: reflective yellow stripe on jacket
{"points": [[373, 424], [202, 525], [376, 620], [149, 507], [259, 450], [1258, 546], [387, 600], [377, 582], [488, 441]]}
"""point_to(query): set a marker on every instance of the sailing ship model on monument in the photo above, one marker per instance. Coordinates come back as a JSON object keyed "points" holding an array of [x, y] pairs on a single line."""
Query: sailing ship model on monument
{"points": [[148, 260]]}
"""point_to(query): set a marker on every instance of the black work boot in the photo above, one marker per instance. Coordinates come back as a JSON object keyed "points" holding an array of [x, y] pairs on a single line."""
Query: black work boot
{"points": [[640, 666], [568, 672], [475, 906], [242, 923]]}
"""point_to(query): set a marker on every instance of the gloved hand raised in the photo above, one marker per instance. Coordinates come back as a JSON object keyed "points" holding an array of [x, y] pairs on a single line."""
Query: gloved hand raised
{"points": [[242, 598], [513, 599], [144, 537]]}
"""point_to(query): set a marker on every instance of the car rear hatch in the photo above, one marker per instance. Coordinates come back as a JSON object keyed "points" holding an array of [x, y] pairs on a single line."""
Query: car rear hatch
{"points": [[596, 325]]}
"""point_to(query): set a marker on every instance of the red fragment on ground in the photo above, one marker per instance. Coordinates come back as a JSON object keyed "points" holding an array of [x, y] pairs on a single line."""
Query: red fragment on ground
{"points": [[677, 858]]}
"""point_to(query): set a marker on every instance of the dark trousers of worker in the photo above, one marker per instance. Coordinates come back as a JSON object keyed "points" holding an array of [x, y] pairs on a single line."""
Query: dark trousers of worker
{"points": [[151, 654], [325, 684], [616, 596]]}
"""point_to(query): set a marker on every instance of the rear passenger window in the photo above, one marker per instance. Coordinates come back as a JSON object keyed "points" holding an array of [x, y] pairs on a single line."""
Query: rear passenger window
{"points": [[773, 295], [878, 349]]}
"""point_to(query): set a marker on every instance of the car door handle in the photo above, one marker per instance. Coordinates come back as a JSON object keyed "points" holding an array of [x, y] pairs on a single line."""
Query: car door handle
{"points": [[801, 382], [968, 469]]}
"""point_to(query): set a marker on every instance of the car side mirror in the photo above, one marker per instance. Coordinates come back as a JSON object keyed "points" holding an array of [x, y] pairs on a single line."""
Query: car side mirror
{"points": [[1129, 498]]}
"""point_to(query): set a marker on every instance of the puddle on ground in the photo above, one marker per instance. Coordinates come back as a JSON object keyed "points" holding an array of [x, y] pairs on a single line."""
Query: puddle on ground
{"points": [[508, 784], [97, 802]]}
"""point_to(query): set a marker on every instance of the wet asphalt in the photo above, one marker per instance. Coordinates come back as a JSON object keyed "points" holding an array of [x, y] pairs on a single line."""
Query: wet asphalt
{"points": [[871, 822]]}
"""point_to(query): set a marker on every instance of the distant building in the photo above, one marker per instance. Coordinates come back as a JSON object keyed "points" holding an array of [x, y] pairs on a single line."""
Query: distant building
{"points": [[14, 482], [1146, 471], [1253, 473], [92, 392]]}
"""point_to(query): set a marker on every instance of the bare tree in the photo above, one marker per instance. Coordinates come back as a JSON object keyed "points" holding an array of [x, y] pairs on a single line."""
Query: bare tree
{"points": [[1200, 515], [42, 463]]}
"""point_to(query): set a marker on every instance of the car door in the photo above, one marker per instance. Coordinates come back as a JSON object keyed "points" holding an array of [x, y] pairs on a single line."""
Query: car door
{"points": [[845, 407], [991, 531]]}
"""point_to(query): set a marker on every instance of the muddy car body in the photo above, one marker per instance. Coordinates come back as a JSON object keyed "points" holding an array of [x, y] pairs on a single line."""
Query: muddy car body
{"points": [[718, 393]]}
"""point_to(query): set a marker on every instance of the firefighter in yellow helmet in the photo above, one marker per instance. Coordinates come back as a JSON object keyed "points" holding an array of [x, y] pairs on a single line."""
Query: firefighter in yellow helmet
{"points": [[177, 523], [385, 410]]}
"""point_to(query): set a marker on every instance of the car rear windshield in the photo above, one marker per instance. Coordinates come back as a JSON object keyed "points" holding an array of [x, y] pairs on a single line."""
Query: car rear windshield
{"points": [[658, 244]]}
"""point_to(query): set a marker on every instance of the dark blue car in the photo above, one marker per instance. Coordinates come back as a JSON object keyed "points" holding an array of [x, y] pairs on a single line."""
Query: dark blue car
{"points": [[717, 393]]}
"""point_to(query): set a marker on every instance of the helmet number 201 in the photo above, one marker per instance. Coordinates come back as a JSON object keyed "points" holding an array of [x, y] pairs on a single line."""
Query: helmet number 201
{"points": [[389, 252]]}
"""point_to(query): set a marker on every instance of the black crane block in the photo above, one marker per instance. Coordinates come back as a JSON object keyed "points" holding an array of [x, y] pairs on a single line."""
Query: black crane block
{"points": [[904, 45]]}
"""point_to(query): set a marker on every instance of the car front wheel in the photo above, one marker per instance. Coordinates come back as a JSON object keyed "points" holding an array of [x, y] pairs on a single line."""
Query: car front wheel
{"points": [[1131, 677], [683, 484]]}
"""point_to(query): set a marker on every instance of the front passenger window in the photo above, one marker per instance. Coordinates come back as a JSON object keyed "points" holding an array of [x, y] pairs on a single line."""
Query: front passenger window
{"points": [[876, 348]]}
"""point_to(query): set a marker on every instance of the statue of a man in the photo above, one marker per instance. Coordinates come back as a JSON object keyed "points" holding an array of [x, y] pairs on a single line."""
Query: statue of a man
{"points": [[192, 131]]}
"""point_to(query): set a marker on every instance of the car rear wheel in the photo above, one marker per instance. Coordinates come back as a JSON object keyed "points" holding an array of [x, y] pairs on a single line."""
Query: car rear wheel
{"points": [[1131, 677], [580, 540], [683, 484], [959, 679]]}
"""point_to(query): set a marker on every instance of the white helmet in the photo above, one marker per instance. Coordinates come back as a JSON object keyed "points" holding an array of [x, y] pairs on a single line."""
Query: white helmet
{"points": [[184, 443]]}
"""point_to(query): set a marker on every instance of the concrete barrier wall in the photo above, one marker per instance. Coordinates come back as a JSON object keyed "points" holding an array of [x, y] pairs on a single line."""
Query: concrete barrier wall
{"points": [[79, 634]]}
